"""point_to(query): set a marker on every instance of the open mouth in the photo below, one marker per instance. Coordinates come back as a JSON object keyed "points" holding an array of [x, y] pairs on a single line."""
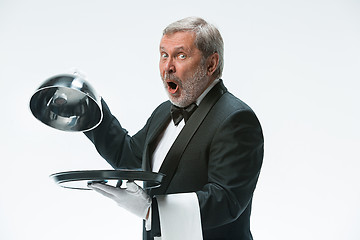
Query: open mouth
{"points": [[172, 87]]}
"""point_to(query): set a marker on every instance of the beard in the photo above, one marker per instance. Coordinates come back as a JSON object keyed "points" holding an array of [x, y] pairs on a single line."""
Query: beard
{"points": [[190, 89]]}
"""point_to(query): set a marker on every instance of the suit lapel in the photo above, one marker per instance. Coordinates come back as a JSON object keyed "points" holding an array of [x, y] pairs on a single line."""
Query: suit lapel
{"points": [[160, 123], [172, 158]]}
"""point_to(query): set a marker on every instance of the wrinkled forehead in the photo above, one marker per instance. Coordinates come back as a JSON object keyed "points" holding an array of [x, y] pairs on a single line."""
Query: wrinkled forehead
{"points": [[184, 40]]}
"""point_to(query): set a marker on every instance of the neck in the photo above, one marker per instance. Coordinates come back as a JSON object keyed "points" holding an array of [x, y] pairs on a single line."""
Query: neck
{"points": [[211, 84]]}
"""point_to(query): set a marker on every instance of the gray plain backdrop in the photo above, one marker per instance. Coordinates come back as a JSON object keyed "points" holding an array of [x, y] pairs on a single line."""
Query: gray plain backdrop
{"points": [[296, 63]]}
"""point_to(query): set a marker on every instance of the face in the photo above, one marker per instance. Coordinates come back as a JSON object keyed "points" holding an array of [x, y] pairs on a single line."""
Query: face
{"points": [[182, 68]]}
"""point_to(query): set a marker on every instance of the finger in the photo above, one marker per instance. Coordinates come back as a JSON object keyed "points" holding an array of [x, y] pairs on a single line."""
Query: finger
{"points": [[106, 188], [106, 194], [132, 186]]}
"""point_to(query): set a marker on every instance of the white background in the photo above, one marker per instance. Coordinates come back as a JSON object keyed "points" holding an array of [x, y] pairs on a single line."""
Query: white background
{"points": [[296, 63]]}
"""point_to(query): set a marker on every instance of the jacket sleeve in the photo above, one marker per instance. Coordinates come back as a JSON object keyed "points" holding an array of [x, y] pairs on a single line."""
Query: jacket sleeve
{"points": [[114, 144], [235, 159]]}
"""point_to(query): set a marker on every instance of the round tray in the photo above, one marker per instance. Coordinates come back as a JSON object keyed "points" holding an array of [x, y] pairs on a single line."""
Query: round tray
{"points": [[80, 179]]}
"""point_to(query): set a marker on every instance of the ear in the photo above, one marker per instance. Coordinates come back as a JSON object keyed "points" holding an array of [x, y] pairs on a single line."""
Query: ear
{"points": [[212, 63]]}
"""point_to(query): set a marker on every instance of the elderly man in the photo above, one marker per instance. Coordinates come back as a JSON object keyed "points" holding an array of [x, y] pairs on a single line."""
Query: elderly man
{"points": [[207, 142]]}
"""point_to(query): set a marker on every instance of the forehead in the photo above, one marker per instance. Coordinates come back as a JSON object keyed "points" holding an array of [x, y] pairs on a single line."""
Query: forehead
{"points": [[177, 40]]}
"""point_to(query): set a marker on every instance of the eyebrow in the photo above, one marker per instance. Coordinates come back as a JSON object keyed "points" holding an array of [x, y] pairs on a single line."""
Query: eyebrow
{"points": [[176, 48]]}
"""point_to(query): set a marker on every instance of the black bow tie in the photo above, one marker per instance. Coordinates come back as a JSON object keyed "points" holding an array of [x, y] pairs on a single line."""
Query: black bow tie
{"points": [[178, 113]]}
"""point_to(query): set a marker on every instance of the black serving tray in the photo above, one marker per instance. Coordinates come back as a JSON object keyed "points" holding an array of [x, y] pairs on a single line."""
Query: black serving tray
{"points": [[80, 179]]}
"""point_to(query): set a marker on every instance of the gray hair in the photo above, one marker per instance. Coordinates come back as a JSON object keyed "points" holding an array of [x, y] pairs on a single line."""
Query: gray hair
{"points": [[208, 38]]}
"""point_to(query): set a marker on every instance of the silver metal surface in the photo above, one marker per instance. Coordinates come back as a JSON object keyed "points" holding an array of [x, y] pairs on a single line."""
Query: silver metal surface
{"points": [[67, 102]]}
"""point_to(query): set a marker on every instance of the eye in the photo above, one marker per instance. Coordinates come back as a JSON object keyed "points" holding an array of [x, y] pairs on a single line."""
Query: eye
{"points": [[164, 55], [182, 56]]}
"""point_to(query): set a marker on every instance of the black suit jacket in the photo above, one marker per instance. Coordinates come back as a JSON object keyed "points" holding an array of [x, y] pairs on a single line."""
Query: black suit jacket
{"points": [[221, 163]]}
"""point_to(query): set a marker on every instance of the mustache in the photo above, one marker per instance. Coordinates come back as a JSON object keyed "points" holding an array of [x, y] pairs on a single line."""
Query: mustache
{"points": [[171, 77]]}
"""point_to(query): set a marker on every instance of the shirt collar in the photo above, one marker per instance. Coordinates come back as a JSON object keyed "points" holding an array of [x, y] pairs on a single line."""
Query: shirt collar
{"points": [[201, 97]]}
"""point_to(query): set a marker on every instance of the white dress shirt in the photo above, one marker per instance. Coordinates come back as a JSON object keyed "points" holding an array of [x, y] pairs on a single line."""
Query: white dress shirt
{"points": [[179, 213]]}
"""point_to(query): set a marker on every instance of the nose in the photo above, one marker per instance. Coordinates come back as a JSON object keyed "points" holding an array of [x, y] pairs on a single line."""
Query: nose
{"points": [[169, 66]]}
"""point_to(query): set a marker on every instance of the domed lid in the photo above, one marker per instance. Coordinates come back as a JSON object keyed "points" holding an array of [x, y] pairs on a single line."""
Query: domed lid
{"points": [[67, 102]]}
